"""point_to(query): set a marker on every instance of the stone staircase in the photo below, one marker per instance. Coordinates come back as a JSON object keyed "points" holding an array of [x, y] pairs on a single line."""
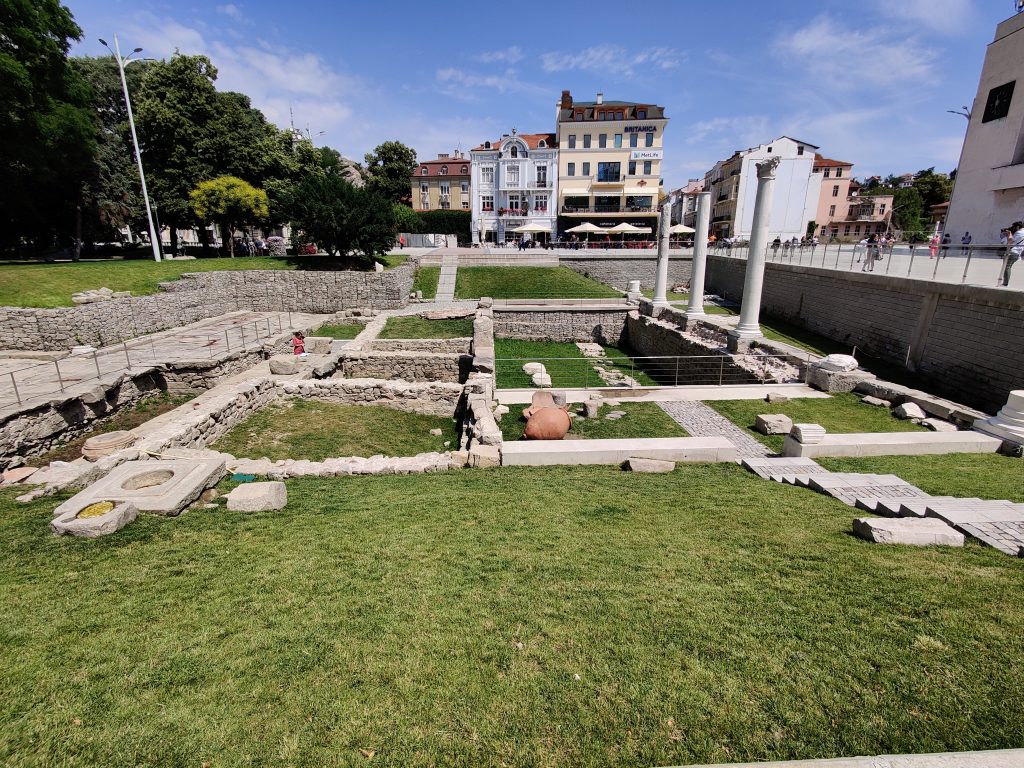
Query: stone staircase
{"points": [[914, 515]]}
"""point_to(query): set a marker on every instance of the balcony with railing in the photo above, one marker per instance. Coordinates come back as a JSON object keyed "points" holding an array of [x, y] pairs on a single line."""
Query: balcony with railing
{"points": [[577, 210]]}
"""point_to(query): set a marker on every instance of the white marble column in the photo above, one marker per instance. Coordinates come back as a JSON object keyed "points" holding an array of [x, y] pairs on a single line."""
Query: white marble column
{"points": [[695, 307], [748, 328], [661, 275]]}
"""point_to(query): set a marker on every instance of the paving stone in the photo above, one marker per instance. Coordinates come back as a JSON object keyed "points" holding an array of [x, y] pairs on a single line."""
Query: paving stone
{"points": [[917, 532], [909, 411], [649, 466], [701, 421], [16, 475], [871, 400], [1006, 537], [258, 497], [766, 467], [939, 425]]}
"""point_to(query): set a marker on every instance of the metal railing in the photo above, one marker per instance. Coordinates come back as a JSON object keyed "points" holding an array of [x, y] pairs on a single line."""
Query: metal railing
{"points": [[989, 265], [42, 380], [623, 372]]}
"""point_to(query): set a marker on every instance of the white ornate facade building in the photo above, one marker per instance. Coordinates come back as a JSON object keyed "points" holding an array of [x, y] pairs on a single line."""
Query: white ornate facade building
{"points": [[514, 183]]}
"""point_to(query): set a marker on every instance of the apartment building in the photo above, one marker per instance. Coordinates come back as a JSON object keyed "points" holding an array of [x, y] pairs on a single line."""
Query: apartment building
{"points": [[842, 211], [684, 211], [515, 184], [733, 186], [442, 184], [610, 156]]}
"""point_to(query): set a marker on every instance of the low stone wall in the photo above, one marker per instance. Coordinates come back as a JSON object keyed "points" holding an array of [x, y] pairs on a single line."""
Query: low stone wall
{"points": [[191, 376], [35, 431], [656, 338], [432, 398], [197, 296], [603, 325], [433, 346], [963, 340], [408, 366], [618, 269]]}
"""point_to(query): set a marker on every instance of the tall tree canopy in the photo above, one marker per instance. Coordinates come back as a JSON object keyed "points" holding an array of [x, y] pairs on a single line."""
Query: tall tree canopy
{"points": [[230, 202], [389, 167], [46, 123], [342, 218]]}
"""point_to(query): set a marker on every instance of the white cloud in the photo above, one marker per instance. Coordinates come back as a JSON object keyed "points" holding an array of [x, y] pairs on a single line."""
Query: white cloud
{"points": [[737, 132], [508, 56], [836, 57], [232, 11], [612, 59], [461, 84], [945, 16]]}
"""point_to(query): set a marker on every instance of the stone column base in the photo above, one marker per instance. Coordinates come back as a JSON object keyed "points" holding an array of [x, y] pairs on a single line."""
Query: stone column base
{"points": [[740, 341]]}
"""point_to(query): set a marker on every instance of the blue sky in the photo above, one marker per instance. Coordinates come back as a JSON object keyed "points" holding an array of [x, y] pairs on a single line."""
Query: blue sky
{"points": [[869, 82]]}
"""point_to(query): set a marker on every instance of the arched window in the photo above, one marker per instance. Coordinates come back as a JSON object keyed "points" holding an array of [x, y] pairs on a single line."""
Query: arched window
{"points": [[542, 144], [465, 170], [487, 145], [423, 171], [444, 170], [514, 151]]}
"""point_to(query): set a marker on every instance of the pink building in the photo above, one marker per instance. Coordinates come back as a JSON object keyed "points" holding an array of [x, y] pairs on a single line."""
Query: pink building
{"points": [[842, 211]]}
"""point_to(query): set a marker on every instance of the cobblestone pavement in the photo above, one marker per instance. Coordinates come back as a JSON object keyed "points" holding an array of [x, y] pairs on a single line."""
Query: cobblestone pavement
{"points": [[701, 421]]}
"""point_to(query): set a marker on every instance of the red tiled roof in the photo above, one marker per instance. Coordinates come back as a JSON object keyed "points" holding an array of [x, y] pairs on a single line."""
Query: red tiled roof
{"points": [[532, 141], [434, 168], [824, 162]]}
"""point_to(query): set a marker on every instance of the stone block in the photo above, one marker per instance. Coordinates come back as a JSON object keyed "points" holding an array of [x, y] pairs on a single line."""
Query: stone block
{"points": [[69, 524], [318, 345], [436, 432], [871, 400], [773, 424], [939, 425], [649, 466], [16, 475], [258, 497], [807, 434], [908, 411], [921, 532], [776, 397], [283, 366], [482, 456], [590, 408]]}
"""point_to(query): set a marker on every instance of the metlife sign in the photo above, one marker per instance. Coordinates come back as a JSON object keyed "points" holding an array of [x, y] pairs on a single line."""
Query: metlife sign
{"points": [[646, 154]]}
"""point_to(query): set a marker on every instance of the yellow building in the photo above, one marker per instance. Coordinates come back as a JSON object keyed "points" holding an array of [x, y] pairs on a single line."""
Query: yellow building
{"points": [[609, 162], [441, 184]]}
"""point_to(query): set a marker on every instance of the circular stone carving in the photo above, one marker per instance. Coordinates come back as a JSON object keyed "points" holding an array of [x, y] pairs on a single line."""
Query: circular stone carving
{"points": [[147, 479], [103, 445], [96, 509], [547, 424]]}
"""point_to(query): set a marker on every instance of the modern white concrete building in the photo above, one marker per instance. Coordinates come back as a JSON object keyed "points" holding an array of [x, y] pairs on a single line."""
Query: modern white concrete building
{"points": [[733, 186], [514, 183], [988, 193]]}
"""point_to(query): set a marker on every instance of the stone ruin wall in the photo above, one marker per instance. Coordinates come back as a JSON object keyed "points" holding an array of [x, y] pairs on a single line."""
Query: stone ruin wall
{"points": [[459, 346], [618, 269], [963, 340], [200, 295], [604, 326], [408, 366]]}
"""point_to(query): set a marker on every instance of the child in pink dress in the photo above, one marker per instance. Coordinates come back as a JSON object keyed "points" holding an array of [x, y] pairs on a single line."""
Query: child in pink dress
{"points": [[298, 343]]}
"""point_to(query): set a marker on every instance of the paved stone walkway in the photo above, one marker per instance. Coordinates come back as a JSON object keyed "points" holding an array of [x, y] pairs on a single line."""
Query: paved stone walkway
{"points": [[701, 421], [446, 282]]}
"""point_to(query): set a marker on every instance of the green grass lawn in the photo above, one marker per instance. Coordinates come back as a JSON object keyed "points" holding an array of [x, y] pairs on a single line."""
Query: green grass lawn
{"points": [[842, 412], [512, 354], [680, 301], [340, 330], [775, 329], [412, 327], [426, 281], [641, 420], [308, 429], [518, 616], [528, 283], [51, 285]]}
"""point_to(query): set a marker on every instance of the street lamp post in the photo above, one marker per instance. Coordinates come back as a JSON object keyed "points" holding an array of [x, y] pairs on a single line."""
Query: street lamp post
{"points": [[121, 62]]}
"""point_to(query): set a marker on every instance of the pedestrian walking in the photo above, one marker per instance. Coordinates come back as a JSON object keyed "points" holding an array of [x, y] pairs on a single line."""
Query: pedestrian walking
{"points": [[933, 246], [965, 243], [871, 254], [1015, 250], [946, 239]]}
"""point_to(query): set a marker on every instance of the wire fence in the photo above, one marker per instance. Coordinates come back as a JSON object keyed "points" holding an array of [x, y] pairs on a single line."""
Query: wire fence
{"points": [[625, 372], [41, 380]]}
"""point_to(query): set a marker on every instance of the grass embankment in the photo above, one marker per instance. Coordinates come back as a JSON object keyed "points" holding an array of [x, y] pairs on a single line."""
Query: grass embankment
{"points": [[51, 285], [641, 420], [308, 429], [842, 412], [339, 330], [126, 418], [412, 327], [512, 354], [518, 616], [528, 283], [426, 281]]}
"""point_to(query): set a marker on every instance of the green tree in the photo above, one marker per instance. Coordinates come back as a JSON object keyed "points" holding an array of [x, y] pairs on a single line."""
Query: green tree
{"points": [[406, 219], [389, 168], [46, 129], [230, 202], [908, 209], [934, 187], [447, 222], [343, 219]]}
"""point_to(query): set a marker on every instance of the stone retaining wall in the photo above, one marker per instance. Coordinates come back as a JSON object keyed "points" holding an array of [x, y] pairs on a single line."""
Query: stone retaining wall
{"points": [[431, 398], [618, 269], [408, 366], [434, 346], [604, 326], [656, 338], [200, 295], [190, 376], [964, 341]]}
